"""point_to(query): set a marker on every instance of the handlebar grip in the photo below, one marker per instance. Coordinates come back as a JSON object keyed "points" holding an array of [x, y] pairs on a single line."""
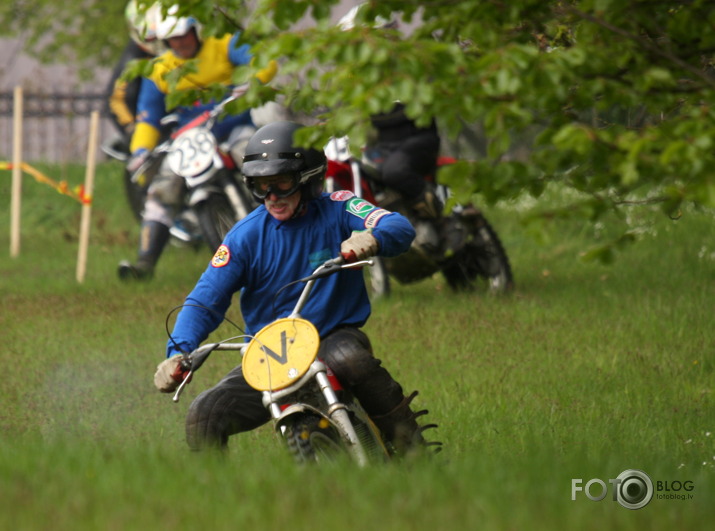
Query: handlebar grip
{"points": [[349, 257]]}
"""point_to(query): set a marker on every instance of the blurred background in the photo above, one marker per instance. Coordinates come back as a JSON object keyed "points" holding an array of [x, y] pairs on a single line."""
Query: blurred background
{"points": [[58, 102]]}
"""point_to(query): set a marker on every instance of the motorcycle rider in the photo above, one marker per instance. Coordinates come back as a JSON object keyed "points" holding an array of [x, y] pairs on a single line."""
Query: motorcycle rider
{"points": [[297, 228], [408, 153], [405, 152], [213, 60], [122, 95]]}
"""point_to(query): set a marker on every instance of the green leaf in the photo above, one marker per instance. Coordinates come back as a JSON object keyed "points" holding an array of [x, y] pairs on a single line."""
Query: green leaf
{"points": [[613, 100]]}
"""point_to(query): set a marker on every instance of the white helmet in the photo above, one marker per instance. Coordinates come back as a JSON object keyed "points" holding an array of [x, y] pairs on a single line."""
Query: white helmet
{"points": [[173, 26], [142, 22], [347, 22]]}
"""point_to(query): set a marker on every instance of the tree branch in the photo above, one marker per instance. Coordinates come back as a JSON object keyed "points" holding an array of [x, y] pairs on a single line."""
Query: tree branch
{"points": [[648, 45]]}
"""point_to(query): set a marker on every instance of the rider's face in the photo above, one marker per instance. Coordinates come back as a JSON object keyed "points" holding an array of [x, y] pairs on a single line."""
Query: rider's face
{"points": [[185, 46], [282, 208]]}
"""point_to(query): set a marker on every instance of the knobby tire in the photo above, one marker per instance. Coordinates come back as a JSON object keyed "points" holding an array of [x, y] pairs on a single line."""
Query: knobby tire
{"points": [[311, 438], [482, 258]]}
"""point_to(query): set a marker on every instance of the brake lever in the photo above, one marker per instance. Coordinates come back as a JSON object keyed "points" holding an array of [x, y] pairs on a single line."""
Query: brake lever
{"points": [[186, 364], [181, 387], [358, 264]]}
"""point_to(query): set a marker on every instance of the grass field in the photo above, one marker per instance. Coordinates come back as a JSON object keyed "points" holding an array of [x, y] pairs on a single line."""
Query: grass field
{"points": [[583, 372]]}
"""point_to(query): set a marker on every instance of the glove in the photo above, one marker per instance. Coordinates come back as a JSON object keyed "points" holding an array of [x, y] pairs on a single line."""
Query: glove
{"points": [[137, 159], [361, 245], [169, 374]]}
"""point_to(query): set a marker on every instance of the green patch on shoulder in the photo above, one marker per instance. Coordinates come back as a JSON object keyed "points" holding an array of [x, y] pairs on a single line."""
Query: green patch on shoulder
{"points": [[359, 207]]}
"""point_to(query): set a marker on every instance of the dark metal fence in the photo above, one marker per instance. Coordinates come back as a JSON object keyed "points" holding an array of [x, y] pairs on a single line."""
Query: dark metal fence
{"points": [[55, 126]]}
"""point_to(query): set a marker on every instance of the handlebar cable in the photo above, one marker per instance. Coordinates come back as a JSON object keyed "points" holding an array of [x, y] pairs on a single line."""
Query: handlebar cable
{"points": [[275, 297], [327, 269], [176, 308]]}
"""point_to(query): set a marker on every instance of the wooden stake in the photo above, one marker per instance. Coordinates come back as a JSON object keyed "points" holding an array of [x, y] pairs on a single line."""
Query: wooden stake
{"points": [[16, 192], [87, 198]]}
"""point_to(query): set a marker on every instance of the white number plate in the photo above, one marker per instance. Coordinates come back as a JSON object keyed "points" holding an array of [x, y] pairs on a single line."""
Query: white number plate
{"points": [[192, 153]]}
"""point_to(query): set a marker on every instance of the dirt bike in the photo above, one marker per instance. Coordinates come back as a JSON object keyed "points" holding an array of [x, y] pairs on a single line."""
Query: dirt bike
{"points": [[462, 245], [216, 196], [317, 418]]}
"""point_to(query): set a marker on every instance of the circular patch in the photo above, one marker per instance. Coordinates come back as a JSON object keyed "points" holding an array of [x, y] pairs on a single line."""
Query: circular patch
{"points": [[342, 195], [221, 257]]}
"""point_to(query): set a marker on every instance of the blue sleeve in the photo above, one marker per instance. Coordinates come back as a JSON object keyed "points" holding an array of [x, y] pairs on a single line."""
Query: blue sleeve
{"points": [[238, 54], [205, 307], [195, 322], [393, 232], [150, 105]]}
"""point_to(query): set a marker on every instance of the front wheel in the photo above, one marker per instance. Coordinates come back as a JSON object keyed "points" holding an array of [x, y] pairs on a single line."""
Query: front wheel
{"points": [[217, 213], [312, 438]]}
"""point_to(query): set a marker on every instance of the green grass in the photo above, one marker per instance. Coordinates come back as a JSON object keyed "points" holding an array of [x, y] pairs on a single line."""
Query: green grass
{"points": [[583, 372]]}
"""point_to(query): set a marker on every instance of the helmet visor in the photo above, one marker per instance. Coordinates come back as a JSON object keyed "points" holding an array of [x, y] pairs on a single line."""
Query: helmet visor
{"points": [[281, 185]]}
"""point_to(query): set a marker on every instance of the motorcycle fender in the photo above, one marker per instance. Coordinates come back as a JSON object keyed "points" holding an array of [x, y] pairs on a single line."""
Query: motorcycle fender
{"points": [[295, 409], [341, 424], [200, 194]]}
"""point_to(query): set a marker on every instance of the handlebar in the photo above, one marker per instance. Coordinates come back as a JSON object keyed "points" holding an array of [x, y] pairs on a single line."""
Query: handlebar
{"points": [[195, 359], [207, 119], [327, 268]]}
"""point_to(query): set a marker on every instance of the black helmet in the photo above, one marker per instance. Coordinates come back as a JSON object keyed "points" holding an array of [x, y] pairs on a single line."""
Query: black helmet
{"points": [[270, 151]]}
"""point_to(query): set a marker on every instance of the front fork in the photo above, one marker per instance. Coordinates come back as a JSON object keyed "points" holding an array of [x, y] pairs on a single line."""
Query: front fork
{"points": [[234, 197], [337, 413], [220, 185]]}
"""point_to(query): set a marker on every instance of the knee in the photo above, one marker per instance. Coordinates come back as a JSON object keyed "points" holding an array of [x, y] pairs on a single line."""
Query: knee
{"points": [[156, 211], [403, 177], [349, 354], [167, 189], [203, 430], [229, 407], [395, 170]]}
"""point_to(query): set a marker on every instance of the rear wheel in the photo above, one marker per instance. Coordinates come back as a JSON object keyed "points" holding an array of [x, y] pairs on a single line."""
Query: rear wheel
{"points": [[481, 258], [370, 437], [376, 279], [312, 438]]}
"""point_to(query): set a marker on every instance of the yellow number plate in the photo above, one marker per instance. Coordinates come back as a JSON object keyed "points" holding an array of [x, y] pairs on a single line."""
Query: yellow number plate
{"points": [[280, 354]]}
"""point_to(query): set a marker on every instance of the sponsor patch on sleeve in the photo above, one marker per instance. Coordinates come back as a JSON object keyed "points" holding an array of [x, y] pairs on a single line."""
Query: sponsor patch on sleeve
{"points": [[342, 195], [221, 257], [375, 216], [359, 207]]}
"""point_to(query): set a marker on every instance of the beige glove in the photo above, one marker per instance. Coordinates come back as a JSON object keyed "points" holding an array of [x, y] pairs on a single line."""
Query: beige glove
{"points": [[361, 245], [169, 374]]}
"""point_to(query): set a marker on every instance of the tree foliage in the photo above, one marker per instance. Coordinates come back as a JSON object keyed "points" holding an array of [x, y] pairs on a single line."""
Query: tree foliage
{"points": [[86, 34], [613, 99]]}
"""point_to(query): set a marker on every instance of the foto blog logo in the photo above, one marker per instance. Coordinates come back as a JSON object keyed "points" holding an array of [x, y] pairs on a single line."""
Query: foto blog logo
{"points": [[633, 489]]}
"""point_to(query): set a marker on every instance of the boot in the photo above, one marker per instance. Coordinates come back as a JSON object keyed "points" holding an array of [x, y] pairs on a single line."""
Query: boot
{"points": [[426, 211], [426, 206], [152, 240], [401, 431]]}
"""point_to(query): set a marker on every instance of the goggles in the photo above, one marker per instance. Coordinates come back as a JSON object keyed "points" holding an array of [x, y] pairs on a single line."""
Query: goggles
{"points": [[281, 185]]}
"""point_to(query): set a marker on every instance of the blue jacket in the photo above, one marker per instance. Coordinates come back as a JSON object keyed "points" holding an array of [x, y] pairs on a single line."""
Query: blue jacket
{"points": [[260, 255]]}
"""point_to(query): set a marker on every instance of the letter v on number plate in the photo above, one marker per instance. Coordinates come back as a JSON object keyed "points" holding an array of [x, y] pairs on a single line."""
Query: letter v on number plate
{"points": [[283, 358]]}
